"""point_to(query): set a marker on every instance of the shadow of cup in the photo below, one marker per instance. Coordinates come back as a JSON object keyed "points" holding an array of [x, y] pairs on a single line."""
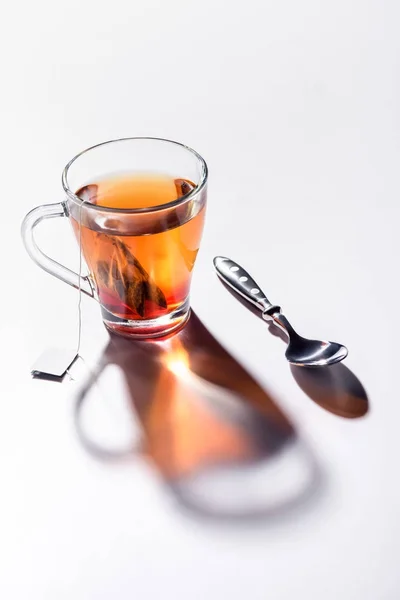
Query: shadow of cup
{"points": [[217, 439]]}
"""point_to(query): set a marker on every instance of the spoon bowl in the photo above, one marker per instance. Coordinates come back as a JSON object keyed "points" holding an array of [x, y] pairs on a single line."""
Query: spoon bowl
{"points": [[314, 353]]}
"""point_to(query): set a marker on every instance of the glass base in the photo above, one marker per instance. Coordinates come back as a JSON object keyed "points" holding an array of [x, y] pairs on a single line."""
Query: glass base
{"points": [[147, 328]]}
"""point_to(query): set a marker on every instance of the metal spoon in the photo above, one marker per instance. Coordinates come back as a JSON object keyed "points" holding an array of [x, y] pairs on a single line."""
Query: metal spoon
{"points": [[300, 351]]}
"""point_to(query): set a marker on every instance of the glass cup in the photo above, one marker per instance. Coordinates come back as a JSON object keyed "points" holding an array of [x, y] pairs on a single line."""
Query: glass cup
{"points": [[137, 208]]}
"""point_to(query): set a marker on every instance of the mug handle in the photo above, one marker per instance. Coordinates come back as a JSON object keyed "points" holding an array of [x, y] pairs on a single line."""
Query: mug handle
{"points": [[50, 211]]}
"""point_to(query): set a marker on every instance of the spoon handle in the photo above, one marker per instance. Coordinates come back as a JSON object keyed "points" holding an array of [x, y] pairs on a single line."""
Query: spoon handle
{"points": [[237, 278]]}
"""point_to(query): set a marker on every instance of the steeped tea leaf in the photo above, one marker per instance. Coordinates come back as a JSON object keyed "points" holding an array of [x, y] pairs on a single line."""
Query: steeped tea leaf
{"points": [[103, 271], [120, 288], [183, 187], [130, 258], [155, 294], [135, 297], [115, 270], [129, 279]]}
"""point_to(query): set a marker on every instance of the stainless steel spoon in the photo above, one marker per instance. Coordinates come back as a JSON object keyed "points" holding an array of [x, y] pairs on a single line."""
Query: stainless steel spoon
{"points": [[300, 351]]}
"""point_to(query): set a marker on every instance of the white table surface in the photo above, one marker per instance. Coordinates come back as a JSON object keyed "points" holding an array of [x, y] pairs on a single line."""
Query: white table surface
{"points": [[295, 106]]}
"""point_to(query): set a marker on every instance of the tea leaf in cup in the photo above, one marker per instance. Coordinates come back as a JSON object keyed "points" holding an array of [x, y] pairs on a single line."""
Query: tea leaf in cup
{"points": [[130, 280], [115, 270], [131, 260], [155, 294], [103, 271], [135, 297], [183, 187], [120, 289]]}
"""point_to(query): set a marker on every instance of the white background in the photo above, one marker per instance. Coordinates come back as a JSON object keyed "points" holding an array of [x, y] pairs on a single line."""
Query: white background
{"points": [[295, 107]]}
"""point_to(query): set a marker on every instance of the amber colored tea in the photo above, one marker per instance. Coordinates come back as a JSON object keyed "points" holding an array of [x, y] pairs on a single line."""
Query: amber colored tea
{"points": [[148, 275]]}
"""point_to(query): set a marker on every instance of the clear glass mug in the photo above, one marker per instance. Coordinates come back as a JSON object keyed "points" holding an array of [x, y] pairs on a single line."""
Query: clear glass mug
{"points": [[137, 209]]}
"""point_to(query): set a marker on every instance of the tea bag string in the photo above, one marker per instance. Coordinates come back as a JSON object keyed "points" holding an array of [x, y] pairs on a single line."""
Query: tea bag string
{"points": [[83, 200], [54, 363], [79, 340]]}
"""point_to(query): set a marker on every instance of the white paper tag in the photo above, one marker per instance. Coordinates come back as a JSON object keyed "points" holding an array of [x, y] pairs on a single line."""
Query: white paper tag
{"points": [[53, 363]]}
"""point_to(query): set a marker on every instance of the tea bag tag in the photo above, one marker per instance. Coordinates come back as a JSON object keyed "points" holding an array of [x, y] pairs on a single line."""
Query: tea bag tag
{"points": [[53, 364]]}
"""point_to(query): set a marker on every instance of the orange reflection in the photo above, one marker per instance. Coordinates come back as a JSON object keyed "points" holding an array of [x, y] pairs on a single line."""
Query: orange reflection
{"points": [[183, 432]]}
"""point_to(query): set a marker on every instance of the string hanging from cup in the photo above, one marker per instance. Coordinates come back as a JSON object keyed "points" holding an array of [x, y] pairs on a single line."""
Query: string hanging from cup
{"points": [[54, 363], [83, 200]]}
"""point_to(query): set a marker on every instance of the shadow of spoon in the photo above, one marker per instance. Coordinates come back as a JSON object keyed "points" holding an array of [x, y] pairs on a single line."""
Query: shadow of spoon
{"points": [[334, 388]]}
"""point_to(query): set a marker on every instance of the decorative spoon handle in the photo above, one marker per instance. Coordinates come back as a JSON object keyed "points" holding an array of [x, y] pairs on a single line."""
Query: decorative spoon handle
{"points": [[237, 278]]}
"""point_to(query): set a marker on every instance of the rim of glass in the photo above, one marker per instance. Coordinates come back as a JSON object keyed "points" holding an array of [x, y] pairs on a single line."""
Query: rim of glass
{"points": [[171, 204]]}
